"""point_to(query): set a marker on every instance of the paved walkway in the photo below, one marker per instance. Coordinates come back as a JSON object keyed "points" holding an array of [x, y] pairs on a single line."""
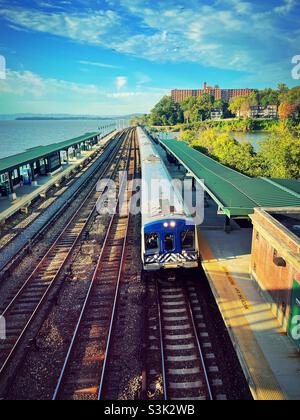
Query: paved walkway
{"points": [[269, 358]]}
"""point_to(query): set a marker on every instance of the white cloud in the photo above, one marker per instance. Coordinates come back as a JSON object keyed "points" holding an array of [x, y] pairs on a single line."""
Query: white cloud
{"points": [[100, 65], [121, 82], [118, 95], [28, 92], [85, 27], [228, 34], [286, 7], [142, 79], [29, 83]]}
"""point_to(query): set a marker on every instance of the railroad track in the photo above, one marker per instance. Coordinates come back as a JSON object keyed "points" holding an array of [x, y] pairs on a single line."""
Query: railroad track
{"points": [[22, 309], [16, 228], [85, 370], [188, 364], [30, 231]]}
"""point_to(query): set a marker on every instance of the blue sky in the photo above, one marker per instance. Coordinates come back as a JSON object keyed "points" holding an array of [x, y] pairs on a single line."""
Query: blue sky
{"points": [[121, 56]]}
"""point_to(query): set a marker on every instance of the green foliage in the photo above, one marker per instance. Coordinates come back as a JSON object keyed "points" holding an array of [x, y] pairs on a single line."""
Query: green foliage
{"points": [[196, 111], [166, 112], [268, 97], [241, 105], [197, 108], [279, 156], [221, 146], [187, 135], [141, 120], [280, 152], [234, 124]]}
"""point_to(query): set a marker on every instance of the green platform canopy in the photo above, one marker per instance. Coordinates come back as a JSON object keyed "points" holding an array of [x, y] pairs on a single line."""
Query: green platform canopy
{"points": [[236, 194], [31, 155]]}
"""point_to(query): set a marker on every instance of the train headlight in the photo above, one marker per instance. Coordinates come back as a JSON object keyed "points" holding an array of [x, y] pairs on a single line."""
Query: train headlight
{"points": [[173, 224], [166, 225]]}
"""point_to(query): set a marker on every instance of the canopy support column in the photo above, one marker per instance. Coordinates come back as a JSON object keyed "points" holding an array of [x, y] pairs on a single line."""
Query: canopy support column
{"points": [[227, 226]]}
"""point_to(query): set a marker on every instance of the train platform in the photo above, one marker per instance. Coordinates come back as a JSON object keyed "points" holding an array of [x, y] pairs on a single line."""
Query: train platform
{"points": [[42, 219], [26, 194], [269, 358]]}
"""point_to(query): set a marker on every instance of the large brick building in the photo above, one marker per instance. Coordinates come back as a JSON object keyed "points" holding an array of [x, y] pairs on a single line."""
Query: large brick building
{"points": [[225, 94]]}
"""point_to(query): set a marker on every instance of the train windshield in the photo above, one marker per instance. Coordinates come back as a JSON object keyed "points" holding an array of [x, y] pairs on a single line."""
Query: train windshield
{"points": [[152, 242], [188, 240], [169, 242]]}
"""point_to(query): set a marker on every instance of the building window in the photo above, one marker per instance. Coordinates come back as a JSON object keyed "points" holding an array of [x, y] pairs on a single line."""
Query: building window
{"points": [[254, 267], [257, 236]]}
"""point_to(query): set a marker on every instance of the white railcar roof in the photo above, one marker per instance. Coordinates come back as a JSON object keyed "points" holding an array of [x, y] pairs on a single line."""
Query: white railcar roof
{"points": [[160, 198]]}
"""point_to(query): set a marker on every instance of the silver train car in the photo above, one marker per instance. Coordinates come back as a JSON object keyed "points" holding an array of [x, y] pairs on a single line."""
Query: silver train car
{"points": [[169, 234]]}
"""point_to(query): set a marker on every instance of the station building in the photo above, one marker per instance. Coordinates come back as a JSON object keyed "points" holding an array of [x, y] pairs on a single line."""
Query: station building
{"points": [[275, 263], [25, 167]]}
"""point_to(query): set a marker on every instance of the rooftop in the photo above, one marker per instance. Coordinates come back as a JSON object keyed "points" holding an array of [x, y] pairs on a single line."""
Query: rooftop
{"points": [[290, 221], [30, 155], [236, 194]]}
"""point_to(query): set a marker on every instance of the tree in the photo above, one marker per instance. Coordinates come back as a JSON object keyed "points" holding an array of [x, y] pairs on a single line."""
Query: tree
{"points": [[280, 153], [286, 110], [197, 108], [189, 108], [241, 105], [282, 91], [293, 98], [223, 147], [166, 112], [205, 103], [219, 104], [140, 120], [269, 97]]}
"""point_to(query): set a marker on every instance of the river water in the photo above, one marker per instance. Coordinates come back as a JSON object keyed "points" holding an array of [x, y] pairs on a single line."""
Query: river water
{"points": [[17, 136], [255, 138]]}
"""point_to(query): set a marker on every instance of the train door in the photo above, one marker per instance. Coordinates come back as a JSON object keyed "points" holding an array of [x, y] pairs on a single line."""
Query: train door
{"points": [[294, 324]]}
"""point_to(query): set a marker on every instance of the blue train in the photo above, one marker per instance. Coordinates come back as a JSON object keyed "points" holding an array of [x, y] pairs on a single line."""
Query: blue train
{"points": [[169, 234]]}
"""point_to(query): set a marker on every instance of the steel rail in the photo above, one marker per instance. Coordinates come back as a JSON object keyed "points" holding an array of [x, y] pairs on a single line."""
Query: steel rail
{"points": [[67, 361], [39, 266], [112, 321], [45, 227], [161, 339], [195, 336]]}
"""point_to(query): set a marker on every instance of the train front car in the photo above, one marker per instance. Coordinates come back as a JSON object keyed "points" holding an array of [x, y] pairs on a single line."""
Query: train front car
{"points": [[169, 235], [169, 244]]}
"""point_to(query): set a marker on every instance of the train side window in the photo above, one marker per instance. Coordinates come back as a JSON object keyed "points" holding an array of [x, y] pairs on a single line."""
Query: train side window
{"points": [[152, 242], [188, 240], [169, 242]]}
